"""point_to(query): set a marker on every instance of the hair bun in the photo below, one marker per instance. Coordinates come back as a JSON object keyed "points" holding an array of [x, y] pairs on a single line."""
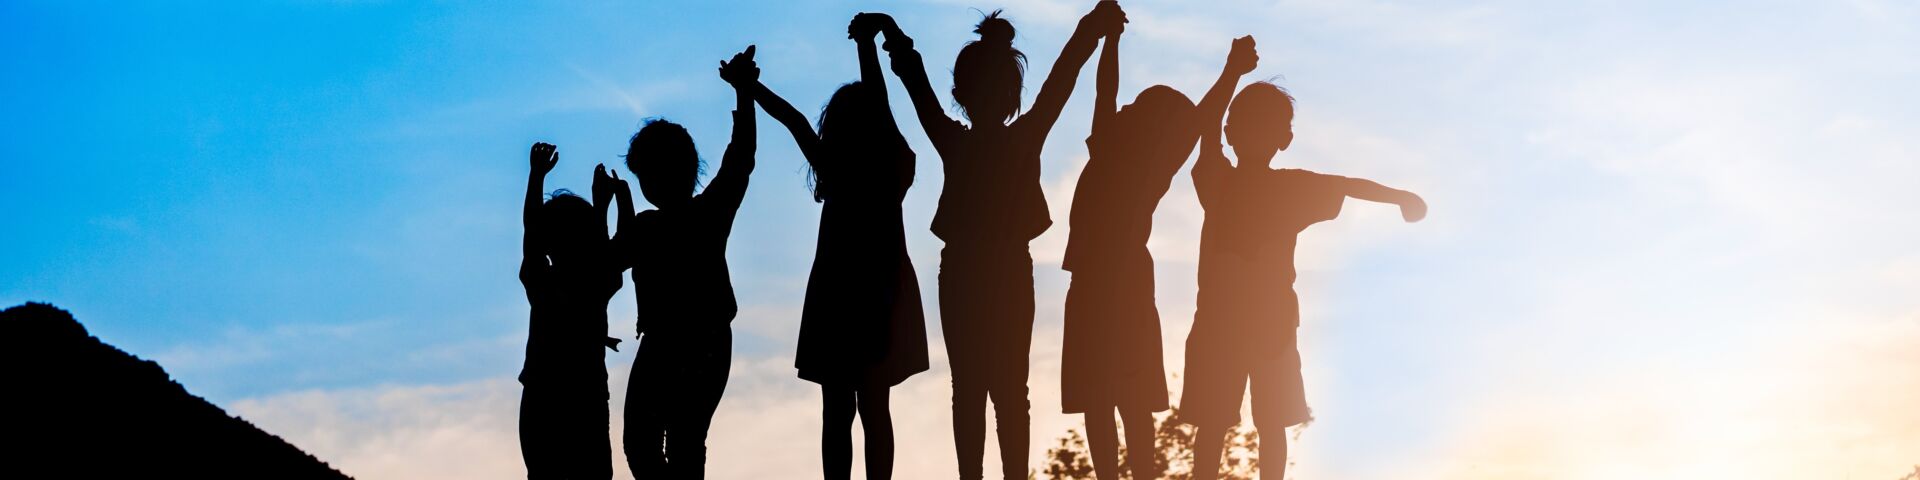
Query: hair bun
{"points": [[995, 29]]}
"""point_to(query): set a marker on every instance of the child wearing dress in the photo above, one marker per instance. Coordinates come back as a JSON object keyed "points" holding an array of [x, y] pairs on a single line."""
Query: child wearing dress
{"points": [[861, 329]]}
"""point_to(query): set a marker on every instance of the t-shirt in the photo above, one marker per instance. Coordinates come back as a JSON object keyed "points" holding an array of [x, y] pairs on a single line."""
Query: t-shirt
{"points": [[567, 331], [679, 255], [1114, 200], [1254, 216]]}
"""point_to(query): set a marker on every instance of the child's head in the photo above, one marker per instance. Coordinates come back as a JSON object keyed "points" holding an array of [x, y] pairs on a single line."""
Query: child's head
{"points": [[1158, 125], [988, 73], [848, 127], [569, 228], [662, 158], [1260, 122]]}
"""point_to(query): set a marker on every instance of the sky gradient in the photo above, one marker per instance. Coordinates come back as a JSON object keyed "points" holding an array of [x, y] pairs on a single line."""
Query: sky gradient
{"points": [[1667, 239]]}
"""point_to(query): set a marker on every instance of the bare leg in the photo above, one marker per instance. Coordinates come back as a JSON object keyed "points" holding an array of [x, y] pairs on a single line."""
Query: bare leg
{"points": [[1207, 444], [836, 432], [877, 423], [1273, 450], [1140, 447], [1103, 444]]}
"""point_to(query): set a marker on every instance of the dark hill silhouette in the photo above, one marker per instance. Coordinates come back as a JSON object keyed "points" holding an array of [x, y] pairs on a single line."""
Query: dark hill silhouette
{"points": [[78, 408]]}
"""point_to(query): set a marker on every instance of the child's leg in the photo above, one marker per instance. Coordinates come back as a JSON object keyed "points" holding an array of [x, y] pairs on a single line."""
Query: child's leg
{"points": [[705, 382], [645, 429], [1279, 401], [1208, 441], [1007, 374], [836, 432], [969, 422], [1010, 417], [877, 423], [1103, 444], [535, 449], [1273, 452], [1140, 446], [965, 358], [597, 445]]}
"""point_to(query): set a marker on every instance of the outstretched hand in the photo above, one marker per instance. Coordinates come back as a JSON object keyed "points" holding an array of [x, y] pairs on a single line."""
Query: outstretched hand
{"points": [[543, 158], [1413, 208], [1244, 57], [741, 70]]}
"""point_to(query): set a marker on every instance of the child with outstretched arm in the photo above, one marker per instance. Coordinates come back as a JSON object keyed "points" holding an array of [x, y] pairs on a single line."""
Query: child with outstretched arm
{"points": [[1244, 327]]}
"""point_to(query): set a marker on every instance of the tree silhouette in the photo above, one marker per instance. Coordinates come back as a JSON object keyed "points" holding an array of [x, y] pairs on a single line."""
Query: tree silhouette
{"points": [[1173, 441]]}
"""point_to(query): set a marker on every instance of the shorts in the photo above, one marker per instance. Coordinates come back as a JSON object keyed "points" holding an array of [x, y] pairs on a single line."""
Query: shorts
{"points": [[1217, 378]]}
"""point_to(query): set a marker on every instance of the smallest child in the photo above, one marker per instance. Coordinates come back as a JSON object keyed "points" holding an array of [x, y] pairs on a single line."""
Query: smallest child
{"points": [[563, 402]]}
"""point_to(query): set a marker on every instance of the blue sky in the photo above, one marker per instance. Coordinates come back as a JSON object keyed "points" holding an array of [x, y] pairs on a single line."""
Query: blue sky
{"points": [[1672, 232]]}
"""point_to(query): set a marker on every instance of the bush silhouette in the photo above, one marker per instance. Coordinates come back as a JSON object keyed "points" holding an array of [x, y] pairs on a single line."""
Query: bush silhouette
{"points": [[1173, 444]]}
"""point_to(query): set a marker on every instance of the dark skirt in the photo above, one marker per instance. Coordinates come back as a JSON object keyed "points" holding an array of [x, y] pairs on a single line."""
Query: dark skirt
{"points": [[862, 325], [1112, 355]]}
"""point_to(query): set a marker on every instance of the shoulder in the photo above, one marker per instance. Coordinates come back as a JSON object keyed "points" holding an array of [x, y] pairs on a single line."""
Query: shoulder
{"points": [[1300, 179]]}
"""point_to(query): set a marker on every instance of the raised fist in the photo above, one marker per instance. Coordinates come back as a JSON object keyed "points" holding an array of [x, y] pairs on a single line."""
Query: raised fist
{"points": [[1243, 58], [543, 157]]}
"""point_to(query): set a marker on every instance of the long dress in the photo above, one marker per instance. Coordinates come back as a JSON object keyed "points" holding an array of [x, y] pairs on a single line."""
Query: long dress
{"points": [[862, 324]]}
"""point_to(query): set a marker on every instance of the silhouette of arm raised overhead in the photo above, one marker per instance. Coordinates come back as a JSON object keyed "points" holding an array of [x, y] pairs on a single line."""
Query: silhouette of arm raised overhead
{"points": [[608, 190], [1212, 164], [532, 255], [796, 122], [729, 186], [862, 30], [1054, 92], [1241, 59], [1106, 83], [913, 75]]}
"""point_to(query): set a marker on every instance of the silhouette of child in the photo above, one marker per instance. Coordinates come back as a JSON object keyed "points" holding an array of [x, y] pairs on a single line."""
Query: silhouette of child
{"points": [[989, 210], [861, 330], [563, 403], [1112, 360], [1247, 316], [678, 251]]}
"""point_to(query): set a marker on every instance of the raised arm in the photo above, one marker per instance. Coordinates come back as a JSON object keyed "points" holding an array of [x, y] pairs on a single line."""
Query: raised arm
{"points": [[541, 159], [1212, 165], [1243, 58], [869, 25], [1106, 83], [1105, 17], [1412, 207], [913, 75], [783, 112], [609, 189], [729, 186], [862, 30]]}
